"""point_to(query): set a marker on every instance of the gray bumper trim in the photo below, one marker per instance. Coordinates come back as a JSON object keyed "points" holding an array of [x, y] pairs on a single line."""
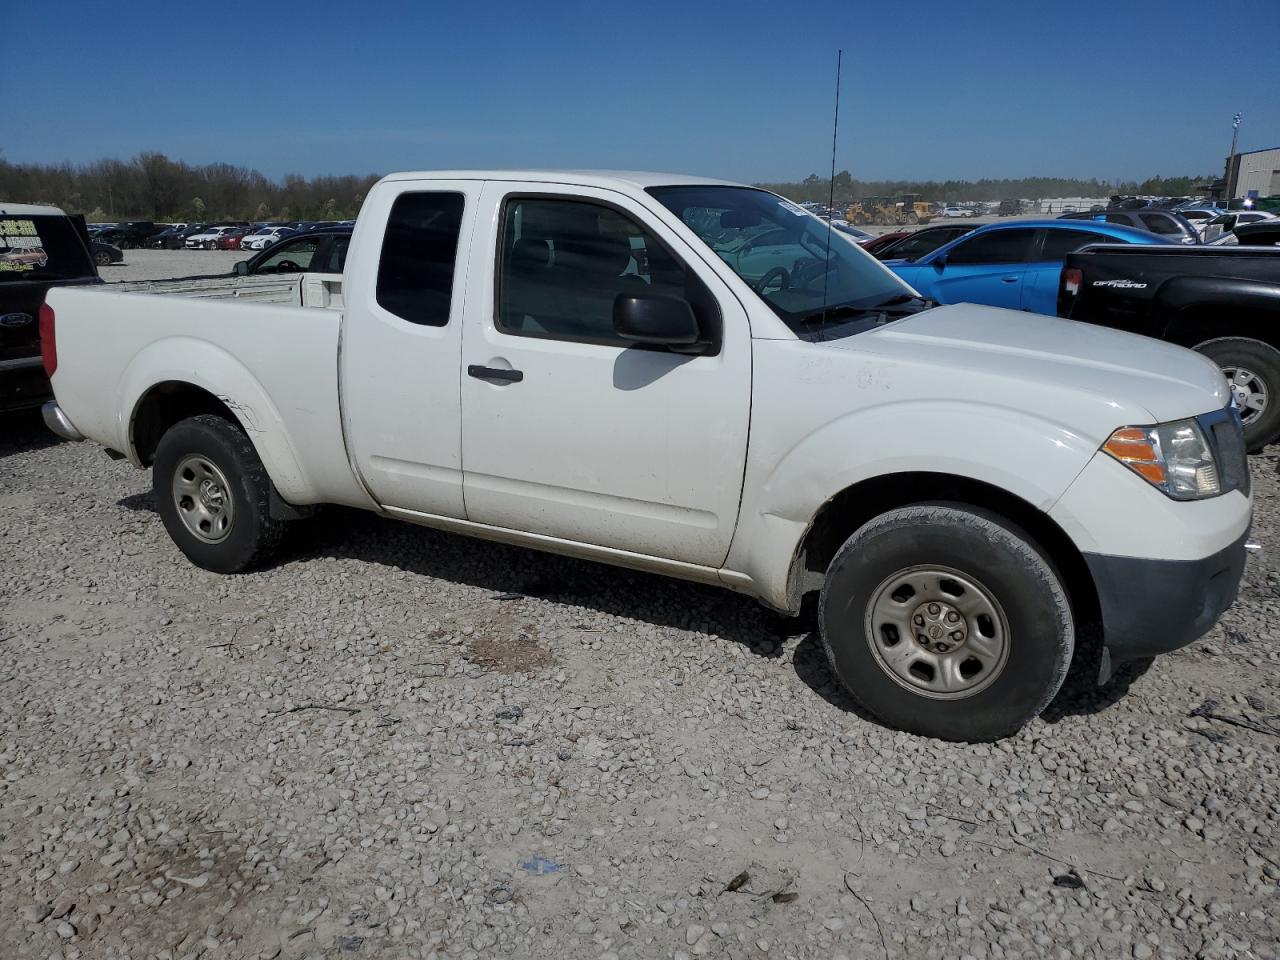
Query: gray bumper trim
{"points": [[57, 421], [1151, 607]]}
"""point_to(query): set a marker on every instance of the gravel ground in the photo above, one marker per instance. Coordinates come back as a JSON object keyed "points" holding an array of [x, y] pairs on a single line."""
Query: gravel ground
{"points": [[401, 743]]}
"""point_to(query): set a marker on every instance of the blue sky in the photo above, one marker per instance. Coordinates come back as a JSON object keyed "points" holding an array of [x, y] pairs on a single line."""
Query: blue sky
{"points": [[743, 90]]}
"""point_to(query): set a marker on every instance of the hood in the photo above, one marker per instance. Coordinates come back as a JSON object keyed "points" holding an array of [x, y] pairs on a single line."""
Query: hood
{"points": [[1088, 378]]}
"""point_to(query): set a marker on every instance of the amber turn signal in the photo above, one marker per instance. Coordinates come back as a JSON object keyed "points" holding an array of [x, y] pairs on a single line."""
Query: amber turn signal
{"points": [[1136, 448]]}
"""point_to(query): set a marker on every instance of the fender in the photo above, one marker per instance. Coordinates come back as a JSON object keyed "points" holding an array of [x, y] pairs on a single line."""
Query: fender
{"points": [[210, 367], [970, 440], [1181, 293]]}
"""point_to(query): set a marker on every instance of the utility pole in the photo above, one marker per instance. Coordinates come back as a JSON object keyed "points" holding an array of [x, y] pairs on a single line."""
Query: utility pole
{"points": [[1231, 161]]}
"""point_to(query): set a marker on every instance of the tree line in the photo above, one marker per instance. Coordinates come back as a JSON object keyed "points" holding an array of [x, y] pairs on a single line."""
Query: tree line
{"points": [[153, 187], [847, 188]]}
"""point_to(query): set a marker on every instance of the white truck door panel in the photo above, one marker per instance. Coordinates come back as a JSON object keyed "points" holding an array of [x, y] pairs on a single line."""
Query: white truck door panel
{"points": [[627, 447], [399, 357]]}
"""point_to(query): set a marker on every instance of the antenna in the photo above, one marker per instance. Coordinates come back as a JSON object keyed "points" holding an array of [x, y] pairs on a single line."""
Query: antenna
{"points": [[831, 199]]}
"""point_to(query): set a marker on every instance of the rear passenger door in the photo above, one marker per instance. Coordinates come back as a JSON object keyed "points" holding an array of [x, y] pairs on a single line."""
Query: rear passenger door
{"points": [[1040, 283], [401, 344], [569, 431]]}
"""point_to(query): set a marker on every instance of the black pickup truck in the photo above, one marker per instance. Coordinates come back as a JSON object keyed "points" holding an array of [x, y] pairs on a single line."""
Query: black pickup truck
{"points": [[1222, 301], [40, 247]]}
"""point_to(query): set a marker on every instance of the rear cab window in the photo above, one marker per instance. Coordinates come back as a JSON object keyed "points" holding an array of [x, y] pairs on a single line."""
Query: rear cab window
{"points": [[42, 248], [419, 256]]}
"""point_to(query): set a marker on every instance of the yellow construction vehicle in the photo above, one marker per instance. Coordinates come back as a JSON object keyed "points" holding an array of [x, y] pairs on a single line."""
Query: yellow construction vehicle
{"points": [[871, 210], [909, 208]]}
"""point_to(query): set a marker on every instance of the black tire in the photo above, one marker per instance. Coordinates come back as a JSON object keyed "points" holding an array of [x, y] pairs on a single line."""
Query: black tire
{"points": [[1003, 559], [102, 258], [253, 534], [1263, 361]]}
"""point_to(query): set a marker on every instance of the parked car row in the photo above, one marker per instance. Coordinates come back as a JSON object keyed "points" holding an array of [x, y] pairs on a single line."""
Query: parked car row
{"points": [[220, 235]]}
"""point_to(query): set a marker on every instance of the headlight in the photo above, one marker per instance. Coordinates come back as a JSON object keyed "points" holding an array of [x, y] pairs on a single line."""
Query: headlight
{"points": [[1173, 457]]}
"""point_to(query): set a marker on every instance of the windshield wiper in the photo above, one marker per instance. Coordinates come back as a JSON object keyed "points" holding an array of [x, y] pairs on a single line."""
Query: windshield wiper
{"points": [[847, 311]]}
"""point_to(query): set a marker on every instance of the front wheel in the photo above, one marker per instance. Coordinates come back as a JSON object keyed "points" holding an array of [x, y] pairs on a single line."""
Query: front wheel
{"points": [[214, 495], [946, 621], [102, 258], [1252, 369]]}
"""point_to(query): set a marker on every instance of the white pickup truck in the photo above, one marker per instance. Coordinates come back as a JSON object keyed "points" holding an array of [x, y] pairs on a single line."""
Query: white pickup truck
{"points": [[696, 378]]}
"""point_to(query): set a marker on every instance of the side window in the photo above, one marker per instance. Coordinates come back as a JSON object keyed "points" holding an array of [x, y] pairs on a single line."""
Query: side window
{"points": [[1058, 243], [562, 263], [291, 257], [1158, 224], [419, 252], [998, 246], [331, 255]]}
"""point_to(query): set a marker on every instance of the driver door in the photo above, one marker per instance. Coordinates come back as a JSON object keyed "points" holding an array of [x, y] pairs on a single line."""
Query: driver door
{"points": [[571, 432]]}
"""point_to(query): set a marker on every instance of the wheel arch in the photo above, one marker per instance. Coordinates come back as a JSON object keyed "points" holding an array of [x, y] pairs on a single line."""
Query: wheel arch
{"points": [[1194, 320], [841, 515], [165, 404]]}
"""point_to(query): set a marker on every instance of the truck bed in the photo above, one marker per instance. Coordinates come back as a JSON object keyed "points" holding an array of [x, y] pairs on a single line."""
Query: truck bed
{"points": [[271, 358]]}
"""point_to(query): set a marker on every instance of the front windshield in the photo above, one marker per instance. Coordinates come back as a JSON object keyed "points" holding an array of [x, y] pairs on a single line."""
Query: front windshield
{"points": [[781, 251]]}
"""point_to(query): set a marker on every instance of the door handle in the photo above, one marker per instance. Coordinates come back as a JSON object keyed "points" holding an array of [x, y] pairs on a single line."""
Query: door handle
{"points": [[1009, 279], [494, 373]]}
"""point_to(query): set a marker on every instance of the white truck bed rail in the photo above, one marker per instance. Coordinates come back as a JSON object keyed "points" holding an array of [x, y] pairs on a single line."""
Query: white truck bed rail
{"points": [[296, 289]]}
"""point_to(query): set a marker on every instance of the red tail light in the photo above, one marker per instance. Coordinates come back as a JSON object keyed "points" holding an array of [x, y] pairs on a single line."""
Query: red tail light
{"points": [[48, 343], [1072, 277]]}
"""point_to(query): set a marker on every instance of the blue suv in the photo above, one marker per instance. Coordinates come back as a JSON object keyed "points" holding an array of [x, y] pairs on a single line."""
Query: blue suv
{"points": [[1014, 265]]}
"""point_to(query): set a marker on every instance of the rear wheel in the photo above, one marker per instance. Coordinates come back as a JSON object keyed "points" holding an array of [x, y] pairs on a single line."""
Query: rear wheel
{"points": [[102, 258], [214, 495], [946, 621], [1252, 369]]}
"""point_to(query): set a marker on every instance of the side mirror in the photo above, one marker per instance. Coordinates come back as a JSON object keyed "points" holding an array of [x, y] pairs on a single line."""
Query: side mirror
{"points": [[940, 262], [242, 267], [663, 321]]}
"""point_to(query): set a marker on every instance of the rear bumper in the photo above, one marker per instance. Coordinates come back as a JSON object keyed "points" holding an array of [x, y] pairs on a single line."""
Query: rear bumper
{"points": [[57, 421], [1151, 607]]}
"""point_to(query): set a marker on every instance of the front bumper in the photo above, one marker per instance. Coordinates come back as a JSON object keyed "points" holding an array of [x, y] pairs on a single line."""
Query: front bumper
{"points": [[1151, 607]]}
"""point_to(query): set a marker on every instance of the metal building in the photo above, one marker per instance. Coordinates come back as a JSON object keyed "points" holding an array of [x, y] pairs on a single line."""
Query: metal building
{"points": [[1256, 173]]}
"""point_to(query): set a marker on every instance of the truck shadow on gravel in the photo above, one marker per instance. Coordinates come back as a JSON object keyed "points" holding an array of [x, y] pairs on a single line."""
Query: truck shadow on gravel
{"points": [[1079, 696], [24, 431], [516, 573]]}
